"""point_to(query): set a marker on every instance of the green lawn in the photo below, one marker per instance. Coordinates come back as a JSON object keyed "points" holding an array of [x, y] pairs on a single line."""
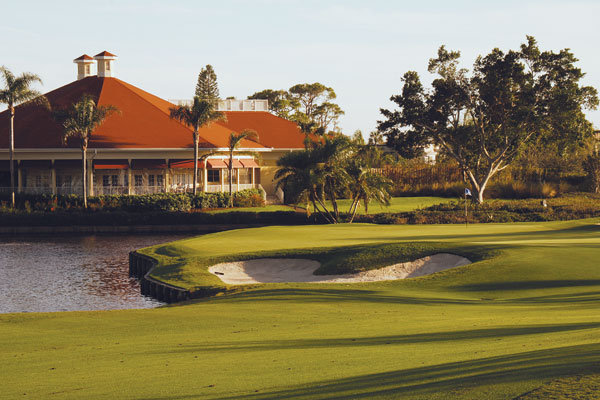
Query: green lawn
{"points": [[523, 320], [397, 204]]}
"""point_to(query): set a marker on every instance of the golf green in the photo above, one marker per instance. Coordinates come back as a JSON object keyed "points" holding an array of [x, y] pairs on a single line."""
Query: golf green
{"points": [[522, 320]]}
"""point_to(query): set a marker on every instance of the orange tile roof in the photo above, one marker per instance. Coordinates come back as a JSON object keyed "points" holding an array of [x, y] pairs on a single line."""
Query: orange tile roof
{"points": [[143, 122], [105, 54], [272, 130], [84, 57]]}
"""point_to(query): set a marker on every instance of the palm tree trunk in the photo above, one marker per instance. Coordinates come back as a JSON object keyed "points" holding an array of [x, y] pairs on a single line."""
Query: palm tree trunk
{"points": [[231, 179], [11, 151], [84, 176], [196, 139]]}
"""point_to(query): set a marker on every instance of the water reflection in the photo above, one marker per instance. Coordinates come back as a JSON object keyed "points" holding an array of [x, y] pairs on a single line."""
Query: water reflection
{"points": [[68, 273]]}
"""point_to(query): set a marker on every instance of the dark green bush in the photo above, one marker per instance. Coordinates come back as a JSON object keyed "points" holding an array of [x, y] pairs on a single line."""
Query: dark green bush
{"points": [[136, 203]]}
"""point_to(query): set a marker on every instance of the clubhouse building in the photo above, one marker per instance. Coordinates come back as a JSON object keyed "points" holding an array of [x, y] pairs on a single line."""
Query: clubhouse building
{"points": [[140, 150]]}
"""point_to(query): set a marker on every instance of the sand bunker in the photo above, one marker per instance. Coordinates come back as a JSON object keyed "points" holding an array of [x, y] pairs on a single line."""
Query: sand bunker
{"points": [[270, 270]]}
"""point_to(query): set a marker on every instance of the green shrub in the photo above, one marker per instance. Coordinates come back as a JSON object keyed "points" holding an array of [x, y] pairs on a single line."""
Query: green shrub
{"points": [[136, 203]]}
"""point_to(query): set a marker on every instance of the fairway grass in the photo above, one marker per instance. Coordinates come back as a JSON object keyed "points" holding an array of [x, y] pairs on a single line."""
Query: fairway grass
{"points": [[522, 320]]}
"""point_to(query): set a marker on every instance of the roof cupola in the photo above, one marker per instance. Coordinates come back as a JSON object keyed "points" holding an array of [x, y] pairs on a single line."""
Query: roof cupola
{"points": [[84, 66], [105, 60]]}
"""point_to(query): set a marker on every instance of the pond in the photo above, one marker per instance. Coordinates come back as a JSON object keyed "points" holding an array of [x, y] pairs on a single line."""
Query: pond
{"points": [[71, 273]]}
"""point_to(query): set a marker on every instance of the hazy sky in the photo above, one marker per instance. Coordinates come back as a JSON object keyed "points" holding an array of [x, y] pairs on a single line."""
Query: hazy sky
{"points": [[360, 48]]}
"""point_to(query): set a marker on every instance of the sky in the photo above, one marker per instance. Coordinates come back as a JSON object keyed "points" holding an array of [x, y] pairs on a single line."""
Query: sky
{"points": [[359, 48]]}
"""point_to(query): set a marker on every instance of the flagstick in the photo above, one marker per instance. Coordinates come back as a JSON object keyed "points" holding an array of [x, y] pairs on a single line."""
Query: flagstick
{"points": [[466, 215]]}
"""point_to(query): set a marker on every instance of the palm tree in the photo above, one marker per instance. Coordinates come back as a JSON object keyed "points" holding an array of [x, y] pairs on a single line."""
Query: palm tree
{"points": [[17, 90], [234, 141], [81, 121], [200, 113]]}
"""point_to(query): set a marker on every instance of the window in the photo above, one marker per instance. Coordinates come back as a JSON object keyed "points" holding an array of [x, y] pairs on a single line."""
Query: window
{"points": [[126, 180], [87, 69], [108, 66], [38, 181], [139, 180], [150, 180], [64, 181], [105, 180], [245, 175], [234, 175], [213, 176], [114, 180], [159, 180]]}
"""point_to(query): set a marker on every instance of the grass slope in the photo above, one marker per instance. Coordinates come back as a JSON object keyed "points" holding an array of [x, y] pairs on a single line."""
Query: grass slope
{"points": [[523, 321]]}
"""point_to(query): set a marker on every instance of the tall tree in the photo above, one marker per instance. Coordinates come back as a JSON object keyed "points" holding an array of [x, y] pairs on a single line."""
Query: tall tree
{"points": [[307, 104], [485, 119], [197, 115], [334, 167], [207, 87], [234, 142], [17, 90], [80, 121], [279, 102]]}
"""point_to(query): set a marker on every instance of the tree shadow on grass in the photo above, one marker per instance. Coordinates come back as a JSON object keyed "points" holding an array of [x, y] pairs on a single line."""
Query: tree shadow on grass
{"points": [[434, 337], [312, 295], [454, 379], [526, 285]]}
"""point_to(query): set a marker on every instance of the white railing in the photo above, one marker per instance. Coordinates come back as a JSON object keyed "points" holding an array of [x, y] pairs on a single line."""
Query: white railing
{"points": [[117, 190], [147, 189], [231, 104], [108, 190]]}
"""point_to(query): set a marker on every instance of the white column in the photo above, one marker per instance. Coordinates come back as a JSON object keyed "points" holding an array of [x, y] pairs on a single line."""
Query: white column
{"points": [[237, 176], [53, 178], [222, 176], [129, 183], [205, 178]]}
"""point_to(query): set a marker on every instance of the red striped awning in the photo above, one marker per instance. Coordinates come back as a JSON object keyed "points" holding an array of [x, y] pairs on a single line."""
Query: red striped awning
{"points": [[249, 163], [216, 163], [111, 164], [236, 163], [148, 164], [185, 164]]}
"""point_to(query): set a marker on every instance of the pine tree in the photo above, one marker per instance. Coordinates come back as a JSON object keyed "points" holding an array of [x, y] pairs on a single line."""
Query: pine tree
{"points": [[207, 87]]}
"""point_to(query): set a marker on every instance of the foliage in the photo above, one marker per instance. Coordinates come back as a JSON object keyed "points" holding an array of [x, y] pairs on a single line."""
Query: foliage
{"points": [[307, 104], [138, 203], [592, 167], [279, 101], [207, 87], [329, 170], [485, 120]]}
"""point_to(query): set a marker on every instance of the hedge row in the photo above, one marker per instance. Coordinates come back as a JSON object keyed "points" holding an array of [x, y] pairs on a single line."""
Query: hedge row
{"points": [[135, 203]]}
